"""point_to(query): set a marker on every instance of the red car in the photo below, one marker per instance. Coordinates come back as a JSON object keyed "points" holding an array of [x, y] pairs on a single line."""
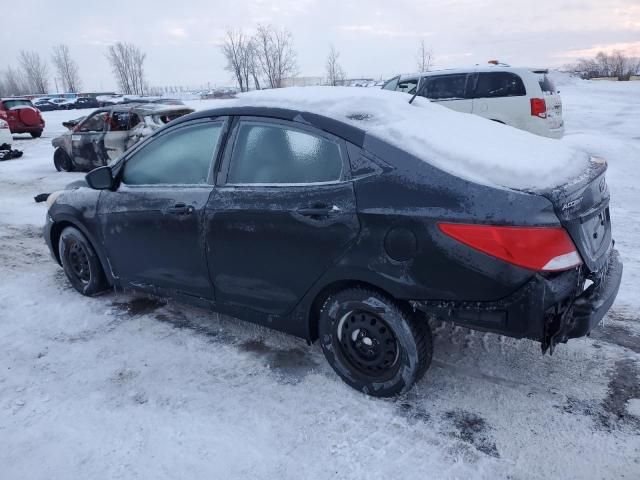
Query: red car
{"points": [[21, 116]]}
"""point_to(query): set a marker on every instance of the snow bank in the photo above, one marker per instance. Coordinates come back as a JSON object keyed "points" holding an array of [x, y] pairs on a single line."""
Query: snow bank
{"points": [[466, 145]]}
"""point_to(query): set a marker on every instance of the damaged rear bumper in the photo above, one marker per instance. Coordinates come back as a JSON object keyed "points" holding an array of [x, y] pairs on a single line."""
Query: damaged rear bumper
{"points": [[594, 302], [550, 308]]}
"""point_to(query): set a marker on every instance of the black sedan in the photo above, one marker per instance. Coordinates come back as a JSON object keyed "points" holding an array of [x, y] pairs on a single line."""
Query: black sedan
{"points": [[86, 102], [308, 224], [45, 105]]}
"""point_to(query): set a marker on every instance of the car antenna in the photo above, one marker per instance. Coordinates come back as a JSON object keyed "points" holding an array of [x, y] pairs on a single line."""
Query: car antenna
{"points": [[417, 90]]}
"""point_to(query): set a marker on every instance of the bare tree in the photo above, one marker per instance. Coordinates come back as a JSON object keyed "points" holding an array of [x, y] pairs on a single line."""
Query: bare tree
{"points": [[252, 61], [127, 64], [424, 57], [335, 72], [235, 50], [14, 82], [66, 68], [275, 55], [614, 64], [35, 71]]}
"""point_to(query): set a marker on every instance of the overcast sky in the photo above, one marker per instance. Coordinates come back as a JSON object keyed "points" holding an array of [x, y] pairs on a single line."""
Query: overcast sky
{"points": [[375, 38]]}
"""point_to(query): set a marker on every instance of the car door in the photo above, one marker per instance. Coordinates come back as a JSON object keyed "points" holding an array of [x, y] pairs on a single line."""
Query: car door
{"points": [[501, 96], [448, 90], [282, 213], [87, 145], [152, 223]]}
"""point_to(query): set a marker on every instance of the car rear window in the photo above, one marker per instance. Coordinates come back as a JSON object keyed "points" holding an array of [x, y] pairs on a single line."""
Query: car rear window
{"points": [[17, 103], [546, 84], [499, 84]]}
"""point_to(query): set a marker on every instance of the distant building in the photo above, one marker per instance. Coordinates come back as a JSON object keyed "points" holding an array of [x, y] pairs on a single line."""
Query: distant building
{"points": [[303, 81], [357, 82]]}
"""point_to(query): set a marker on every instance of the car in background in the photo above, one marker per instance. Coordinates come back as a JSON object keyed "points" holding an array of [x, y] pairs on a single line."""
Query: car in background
{"points": [[22, 116], [86, 102], [163, 101], [5, 135], [45, 104], [328, 224], [64, 103], [108, 100], [519, 97], [105, 134]]}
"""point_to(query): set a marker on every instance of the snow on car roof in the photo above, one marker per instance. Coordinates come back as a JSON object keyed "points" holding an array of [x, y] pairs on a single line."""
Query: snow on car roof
{"points": [[465, 145]]}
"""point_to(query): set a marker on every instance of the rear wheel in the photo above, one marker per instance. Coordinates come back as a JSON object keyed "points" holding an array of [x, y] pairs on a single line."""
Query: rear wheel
{"points": [[62, 161], [80, 262], [36, 134], [375, 345]]}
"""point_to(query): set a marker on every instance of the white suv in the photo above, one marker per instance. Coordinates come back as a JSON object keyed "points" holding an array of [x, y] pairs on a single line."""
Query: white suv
{"points": [[521, 97]]}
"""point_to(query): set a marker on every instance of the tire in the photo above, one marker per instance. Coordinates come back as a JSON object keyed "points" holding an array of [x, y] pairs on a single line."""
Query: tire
{"points": [[36, 134], [81, 263], [62, 161], [375, 345]]}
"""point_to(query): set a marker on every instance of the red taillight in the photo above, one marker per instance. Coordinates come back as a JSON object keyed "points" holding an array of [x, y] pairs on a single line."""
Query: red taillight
{"points": [[538, 107], [536, 248]]}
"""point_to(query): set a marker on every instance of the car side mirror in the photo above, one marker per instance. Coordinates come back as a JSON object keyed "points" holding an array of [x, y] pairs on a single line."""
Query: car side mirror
{"points": [[100, 178]]}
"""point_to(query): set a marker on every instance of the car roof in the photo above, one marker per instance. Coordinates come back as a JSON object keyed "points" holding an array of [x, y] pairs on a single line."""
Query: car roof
{"points": [[475, 69], [145, 108], [335, 127], [14, 98]]}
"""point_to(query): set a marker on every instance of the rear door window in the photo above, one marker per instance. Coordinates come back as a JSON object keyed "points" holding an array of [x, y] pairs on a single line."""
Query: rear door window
{"points": [[119, 122], [499, 84], [278, 154], [446, 87], [95, 123]]}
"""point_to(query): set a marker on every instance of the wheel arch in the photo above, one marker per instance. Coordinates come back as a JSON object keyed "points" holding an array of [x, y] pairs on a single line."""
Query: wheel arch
{"points": [[315, 304], [56, 230]]}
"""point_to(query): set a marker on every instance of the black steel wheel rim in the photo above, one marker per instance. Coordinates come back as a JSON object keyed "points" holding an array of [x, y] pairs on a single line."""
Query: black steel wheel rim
{"points": [[79, 262], [367, 344]]}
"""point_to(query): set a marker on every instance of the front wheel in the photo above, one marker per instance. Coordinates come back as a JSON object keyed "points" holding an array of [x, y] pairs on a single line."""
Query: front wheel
{"points": [[373, 343], [81, 263], [36, 134]]}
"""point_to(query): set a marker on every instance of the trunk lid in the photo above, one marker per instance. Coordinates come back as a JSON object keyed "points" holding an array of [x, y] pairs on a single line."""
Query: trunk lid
{"points": [[582, 206]]}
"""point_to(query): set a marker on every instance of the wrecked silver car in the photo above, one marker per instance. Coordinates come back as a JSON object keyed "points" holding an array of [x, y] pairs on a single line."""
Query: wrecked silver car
{"points": [[105, 134]]}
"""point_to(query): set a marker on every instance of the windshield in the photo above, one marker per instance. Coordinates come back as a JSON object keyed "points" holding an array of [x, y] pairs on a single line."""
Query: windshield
{"points": [[546, 84], [17, 103]]}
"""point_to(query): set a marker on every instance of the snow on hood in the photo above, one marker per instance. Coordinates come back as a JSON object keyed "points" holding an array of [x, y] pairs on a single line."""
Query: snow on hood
{"points": [[466, 145]]}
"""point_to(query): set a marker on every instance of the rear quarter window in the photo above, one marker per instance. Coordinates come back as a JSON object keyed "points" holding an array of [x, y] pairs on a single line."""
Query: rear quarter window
{"points": [[546, 85], [499, 84]]}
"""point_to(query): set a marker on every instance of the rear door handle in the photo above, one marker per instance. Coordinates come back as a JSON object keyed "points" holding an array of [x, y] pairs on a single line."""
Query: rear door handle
{"points": [[320, 211], [181, 209]]}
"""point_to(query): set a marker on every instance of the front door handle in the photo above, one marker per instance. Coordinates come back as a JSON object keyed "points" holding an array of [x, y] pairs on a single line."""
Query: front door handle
{"points": [[318, 211], [181, 209]]}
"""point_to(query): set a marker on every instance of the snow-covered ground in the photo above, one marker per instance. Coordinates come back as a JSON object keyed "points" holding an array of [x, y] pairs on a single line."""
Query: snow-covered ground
{"points": [[123, 386]]}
